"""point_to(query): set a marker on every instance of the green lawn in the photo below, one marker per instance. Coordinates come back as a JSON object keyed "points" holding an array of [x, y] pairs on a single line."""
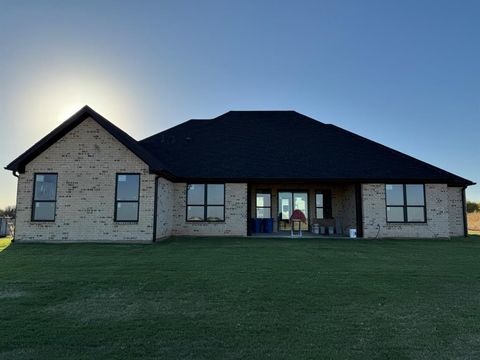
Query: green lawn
{"points": [[242, 298]]}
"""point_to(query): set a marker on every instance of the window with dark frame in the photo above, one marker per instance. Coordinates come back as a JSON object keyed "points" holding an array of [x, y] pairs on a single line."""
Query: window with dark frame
{"points": [[206, 202], [44, 197], [263, 204], [319, 213], [405, 203], [127, 197], [323, 204]]}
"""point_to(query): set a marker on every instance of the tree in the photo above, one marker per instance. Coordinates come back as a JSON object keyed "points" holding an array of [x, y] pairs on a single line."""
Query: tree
{"points": [[8, 211], [472, 207]]}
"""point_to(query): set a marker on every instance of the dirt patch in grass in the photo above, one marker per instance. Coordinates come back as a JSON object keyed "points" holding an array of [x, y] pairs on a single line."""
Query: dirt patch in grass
{"points": [[11, 294]]}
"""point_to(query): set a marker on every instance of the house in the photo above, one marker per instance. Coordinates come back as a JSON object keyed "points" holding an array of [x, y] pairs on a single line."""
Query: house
{"points": [[88, 180]]}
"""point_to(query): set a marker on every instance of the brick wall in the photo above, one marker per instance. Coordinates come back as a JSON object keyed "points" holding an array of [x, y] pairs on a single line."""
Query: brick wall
{"points": [[235, 223], [374, 214], [86, 160], [455, 211]]}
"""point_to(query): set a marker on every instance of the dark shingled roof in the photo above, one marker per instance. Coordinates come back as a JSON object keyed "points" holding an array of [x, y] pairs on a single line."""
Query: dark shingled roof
{"points": [[19, 163], [259, 146], [283, 145]]}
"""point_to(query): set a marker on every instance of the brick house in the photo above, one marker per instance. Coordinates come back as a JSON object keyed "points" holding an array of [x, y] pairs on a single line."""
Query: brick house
{"points": [[88, 180]]}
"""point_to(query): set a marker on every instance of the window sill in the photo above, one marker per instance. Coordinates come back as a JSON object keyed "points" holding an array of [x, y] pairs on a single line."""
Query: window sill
{"points": [[204, 222], [406, 223]]}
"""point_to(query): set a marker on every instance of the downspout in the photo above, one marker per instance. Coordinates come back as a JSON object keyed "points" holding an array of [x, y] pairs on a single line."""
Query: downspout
{"points": [[15, 223], [155, 210], [249, 210], [464, 211]]}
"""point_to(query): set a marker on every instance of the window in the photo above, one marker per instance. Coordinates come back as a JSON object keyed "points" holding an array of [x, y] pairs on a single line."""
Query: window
{"points": [[127, 197], [206, 202], [263, 204], [44, 197], [323, 204], [405, 203]]}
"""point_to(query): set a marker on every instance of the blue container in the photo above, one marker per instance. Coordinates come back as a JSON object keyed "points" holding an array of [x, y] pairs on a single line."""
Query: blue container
{"points": [[256, 225], [268, 225]]}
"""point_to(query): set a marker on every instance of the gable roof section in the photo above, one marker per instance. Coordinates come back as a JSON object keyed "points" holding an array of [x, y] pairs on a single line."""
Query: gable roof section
{"points": [[86, 112], [281, 146]]}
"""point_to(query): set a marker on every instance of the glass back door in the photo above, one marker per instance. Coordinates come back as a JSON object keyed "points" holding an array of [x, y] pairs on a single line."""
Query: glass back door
{"points": [[288, 201]]}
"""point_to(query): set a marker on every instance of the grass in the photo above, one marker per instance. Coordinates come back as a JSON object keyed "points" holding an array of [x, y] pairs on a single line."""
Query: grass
{"points": [[242, 299], [474, 221]]}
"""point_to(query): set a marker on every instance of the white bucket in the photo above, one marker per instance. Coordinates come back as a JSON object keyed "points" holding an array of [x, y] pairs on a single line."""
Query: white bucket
{"points": [[353, 233]]}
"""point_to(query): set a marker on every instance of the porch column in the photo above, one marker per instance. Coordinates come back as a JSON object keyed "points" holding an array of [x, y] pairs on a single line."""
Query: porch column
{"points": [[249, 208]]}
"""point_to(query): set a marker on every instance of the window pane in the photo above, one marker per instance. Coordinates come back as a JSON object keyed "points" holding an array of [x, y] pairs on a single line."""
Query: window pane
{"points": [[214, 213], [264, 213], [195, 213], [127, 187], [45, 186], [263, 199], [319, 213], [319, 200], [284, 205], [300, 202], [196, 194], [394, 194], [416, 214], [215, 194], [395, 214], [44, 211], [415, 195], [127, 211]]}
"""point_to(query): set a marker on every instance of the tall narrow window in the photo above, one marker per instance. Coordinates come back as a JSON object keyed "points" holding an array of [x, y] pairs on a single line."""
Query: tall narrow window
{"points": [[127, 197], [206, 202], [44, 197], [323, 204], [263, 204], [405, 203]]}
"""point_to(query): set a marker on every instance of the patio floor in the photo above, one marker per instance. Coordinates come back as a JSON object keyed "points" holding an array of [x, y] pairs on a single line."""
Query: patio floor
{"points": [[305, 234]]}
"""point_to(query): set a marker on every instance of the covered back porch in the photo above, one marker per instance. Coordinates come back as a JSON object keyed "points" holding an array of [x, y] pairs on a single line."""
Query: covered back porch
{"points": [[330, 209]]}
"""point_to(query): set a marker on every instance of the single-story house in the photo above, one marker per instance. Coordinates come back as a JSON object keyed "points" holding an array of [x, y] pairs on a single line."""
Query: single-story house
{"points": [[88, 180]]}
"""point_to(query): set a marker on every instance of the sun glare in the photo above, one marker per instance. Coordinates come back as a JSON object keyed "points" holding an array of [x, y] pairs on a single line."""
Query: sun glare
{"points": [[68, 111]]}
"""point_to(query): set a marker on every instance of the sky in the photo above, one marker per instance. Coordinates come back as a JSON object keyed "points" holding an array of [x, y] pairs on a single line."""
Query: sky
{"points": [[403, 73]]}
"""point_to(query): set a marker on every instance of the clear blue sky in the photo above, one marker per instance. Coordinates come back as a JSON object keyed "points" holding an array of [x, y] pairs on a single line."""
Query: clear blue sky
{"points": [[404, 73]]}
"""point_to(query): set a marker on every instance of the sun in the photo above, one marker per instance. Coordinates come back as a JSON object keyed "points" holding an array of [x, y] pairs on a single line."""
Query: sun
{"points": [[68, 110]]}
